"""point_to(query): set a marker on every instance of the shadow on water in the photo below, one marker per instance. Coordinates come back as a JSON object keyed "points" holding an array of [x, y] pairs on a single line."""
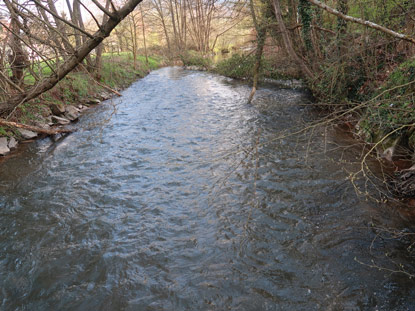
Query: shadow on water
{"points": [[188, 198]]}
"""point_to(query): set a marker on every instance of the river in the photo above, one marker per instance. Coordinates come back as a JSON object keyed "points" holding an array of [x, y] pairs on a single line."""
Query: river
{"points": [[181, 196]]}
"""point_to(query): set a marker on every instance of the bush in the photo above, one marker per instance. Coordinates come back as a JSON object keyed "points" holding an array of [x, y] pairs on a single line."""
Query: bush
{"points": [[394, 106], [238, 66], [191, 58]]}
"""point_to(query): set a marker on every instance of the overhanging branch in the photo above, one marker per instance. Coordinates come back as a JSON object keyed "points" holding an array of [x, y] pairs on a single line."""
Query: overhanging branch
{"points": [[362, 22], [72, 61]]}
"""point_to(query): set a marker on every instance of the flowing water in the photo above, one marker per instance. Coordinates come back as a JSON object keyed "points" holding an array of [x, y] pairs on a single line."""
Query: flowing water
{"points": [[181, 196]]}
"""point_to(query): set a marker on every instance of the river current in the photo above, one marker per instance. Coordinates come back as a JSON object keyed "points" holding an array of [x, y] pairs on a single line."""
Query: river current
{"points": [[181, 196]]}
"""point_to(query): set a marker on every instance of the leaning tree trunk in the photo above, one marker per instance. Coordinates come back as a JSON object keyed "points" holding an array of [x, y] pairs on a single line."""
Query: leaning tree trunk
{"points": [[287, 41], [17, 56], [73, 60], [258, 57], [261, 31]]}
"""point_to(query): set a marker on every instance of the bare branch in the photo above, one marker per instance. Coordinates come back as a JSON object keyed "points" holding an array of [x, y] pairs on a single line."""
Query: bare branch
{"points": [[103, 9], [73, 60], [92, 15], [11, 82], [362, 22], [63, 20]]}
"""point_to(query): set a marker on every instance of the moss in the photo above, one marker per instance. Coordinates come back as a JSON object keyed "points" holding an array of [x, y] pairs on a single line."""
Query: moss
{"points": [[402, 75], [364, 130], [394, 107], [3, 131]]}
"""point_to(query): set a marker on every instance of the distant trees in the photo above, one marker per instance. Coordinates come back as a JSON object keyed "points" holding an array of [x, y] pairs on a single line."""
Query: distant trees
{"points": [[196, 24]]}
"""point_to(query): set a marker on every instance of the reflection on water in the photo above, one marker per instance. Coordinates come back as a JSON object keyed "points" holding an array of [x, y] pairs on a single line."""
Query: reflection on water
{"points": [[185, 200]]}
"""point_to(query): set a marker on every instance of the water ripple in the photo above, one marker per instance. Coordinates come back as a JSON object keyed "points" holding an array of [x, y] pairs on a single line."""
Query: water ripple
{"points": [[160, 207]]}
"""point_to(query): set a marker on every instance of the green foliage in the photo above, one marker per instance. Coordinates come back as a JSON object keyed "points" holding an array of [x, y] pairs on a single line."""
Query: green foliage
{"points": [[401, 80], [113, 74], [237, 66], [387, 12], [341, 81], [341, 23], [80, 85], [192, 58], [118, 71], [241, 67], [3, 131], [28, 112], [394, 106], [271, 72], [331, 86], [305, 11]]}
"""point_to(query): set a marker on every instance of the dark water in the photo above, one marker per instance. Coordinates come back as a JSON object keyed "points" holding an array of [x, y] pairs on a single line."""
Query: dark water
{"points": [[184, 199]]}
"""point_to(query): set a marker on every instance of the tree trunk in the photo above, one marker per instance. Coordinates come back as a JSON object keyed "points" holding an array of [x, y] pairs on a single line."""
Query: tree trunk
{"points": [[73, 60], [258, 57], [17, 56], [159, 8], [80, 23], [144, 34], [261, 31], [288, 43], [173, 20], [60, 27]]}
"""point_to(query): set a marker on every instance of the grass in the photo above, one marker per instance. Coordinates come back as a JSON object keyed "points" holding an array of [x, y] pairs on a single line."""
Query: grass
{"points": [[118, 70], [79, 86]]}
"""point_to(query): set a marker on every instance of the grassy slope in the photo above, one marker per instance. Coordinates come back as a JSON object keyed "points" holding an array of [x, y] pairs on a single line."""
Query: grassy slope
{"points": [[78, 87]]}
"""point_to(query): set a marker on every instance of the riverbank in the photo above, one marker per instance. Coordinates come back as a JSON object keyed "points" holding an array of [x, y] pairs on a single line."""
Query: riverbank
{"points": [[65, 102], [157, 200], [377, 111]]}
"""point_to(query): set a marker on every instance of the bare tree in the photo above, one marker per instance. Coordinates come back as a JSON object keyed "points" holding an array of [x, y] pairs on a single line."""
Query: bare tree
{"points": [[17, 56], [62, 26]]}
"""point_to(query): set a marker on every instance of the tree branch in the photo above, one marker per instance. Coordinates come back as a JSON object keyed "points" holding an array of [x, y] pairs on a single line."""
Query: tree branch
{"points": [[62, 19], [362, 22], [72, 61], [34, 128], [10, 82], [103, 9]]}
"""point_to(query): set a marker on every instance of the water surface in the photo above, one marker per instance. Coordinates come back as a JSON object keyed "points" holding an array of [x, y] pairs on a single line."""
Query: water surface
{"points": [[181, 196]]}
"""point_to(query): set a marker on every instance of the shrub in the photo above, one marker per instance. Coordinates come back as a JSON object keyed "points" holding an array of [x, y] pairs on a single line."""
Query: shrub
{"points": [[237, 66], [394, 106], [192, 58]]}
